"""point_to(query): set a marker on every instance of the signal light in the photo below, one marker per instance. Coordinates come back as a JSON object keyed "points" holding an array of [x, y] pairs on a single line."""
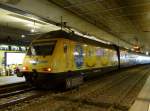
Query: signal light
{"points": [[25, 68], [47, 69]]}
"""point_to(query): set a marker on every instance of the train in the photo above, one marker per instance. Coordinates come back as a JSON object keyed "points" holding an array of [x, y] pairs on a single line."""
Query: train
{"points": [[66, 58]]}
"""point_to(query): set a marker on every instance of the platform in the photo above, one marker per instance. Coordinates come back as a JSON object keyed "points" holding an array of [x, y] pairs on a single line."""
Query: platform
{"points": [[10, 80], [142, 102]]}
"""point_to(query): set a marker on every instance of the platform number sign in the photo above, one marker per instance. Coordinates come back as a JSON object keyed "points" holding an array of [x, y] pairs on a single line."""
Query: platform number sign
{"points": [[78, 55]]}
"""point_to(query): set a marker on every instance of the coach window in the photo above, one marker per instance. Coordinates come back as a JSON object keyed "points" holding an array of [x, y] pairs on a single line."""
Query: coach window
{"points": [[65, 48]]}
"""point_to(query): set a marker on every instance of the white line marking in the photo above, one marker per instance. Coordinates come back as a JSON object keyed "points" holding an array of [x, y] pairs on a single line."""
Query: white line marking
{"points": [[149, 107]]}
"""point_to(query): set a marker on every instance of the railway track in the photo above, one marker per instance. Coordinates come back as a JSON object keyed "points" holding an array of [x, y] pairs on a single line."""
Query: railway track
{"points": [[104, 83], [13, 87], [110, 93], [22, 92], [10, 94], [120, 102]]}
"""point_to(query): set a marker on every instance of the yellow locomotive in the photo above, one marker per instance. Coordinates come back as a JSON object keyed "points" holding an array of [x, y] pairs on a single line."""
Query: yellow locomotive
{"points": [[61, 57]]}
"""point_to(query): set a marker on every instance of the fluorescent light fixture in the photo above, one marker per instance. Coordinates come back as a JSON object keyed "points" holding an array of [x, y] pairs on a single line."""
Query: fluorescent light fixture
{"points": [[85, 45], [90, 37], [5, 46], [32, 25], [26, 18]]}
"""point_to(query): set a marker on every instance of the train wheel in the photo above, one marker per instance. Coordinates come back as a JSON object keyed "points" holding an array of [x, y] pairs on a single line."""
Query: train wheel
{"points": [[73, 82]]}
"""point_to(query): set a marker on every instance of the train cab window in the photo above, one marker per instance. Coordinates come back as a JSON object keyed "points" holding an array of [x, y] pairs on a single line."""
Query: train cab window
{"points": [[42, 49]]}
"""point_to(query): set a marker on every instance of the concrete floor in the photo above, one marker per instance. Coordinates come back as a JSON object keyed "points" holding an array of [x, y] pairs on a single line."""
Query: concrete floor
{"points": [[142, 102], [5, 80]]}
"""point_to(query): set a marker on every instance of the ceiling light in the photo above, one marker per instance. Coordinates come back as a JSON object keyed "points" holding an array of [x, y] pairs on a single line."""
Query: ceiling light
{"points": [[32, 30], [132, 49], [23, 36], [85, 45]]}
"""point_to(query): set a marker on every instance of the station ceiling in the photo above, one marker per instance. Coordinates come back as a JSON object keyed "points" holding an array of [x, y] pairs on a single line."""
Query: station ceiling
{"points": [[22, 28], [126, 19]]}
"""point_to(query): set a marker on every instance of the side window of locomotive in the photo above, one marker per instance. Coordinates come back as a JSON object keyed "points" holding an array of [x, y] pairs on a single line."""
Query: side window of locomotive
{"points": [[65, 48]]}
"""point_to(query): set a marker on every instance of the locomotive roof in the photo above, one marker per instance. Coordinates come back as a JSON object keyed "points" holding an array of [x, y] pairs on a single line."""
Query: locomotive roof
{"points": [[74, 37], [81, 39]]}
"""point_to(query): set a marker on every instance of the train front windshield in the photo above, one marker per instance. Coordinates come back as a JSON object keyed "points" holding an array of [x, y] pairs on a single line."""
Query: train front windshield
{"points": [[41, 49]]}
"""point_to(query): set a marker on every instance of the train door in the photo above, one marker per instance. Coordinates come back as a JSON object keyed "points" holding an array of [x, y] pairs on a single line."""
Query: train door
{"points": [[74, 53], [67, 50]]}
